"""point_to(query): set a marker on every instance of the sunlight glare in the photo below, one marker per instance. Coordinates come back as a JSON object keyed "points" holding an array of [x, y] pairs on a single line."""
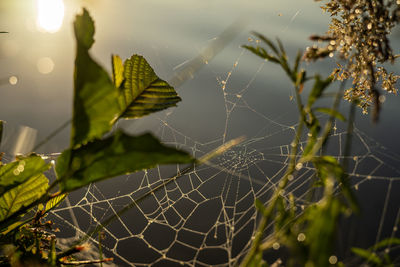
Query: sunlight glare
{"points": [[50, 15]]}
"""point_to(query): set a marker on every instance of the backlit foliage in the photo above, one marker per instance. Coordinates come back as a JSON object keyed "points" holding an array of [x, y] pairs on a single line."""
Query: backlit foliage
{"points": [[359, 35]]}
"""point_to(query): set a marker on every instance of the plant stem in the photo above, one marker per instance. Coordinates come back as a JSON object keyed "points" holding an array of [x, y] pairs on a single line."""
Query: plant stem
{"points": [[290, 170]]}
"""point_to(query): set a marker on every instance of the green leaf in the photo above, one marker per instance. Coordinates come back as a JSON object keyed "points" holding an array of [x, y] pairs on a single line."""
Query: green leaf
{"points": [[52, 203], [5, 230], [297, 62], [386, 243], [281, 48], [267, 42], [22, 195], [312, 139], [367, 255], [260, 206], [117, 70], [318, 88], [142, 92], [328, 166], [96, 106], [331, 112], [259, 51], [19, 171], [116, 155], [84, 30], [322, 220]]}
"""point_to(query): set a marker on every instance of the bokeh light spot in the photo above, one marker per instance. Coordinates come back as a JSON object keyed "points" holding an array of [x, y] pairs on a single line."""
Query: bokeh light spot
{"points": [[13, 80], [45, 65], [333, 259]]}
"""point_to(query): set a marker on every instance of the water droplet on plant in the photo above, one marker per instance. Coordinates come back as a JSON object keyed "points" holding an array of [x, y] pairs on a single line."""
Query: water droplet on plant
{"points": [[276, 245], [301, 237]]}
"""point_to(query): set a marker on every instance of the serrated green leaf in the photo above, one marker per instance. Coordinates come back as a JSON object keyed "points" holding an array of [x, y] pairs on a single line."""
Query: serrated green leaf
{"points": [[331, 112], [20, 170], [143, 92], [96, 106], [52, 203], [116, 155], [22, 195], [158, 96]]}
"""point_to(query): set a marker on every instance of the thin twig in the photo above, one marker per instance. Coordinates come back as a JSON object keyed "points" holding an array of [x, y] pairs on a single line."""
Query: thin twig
{"points": [[76, 263]]}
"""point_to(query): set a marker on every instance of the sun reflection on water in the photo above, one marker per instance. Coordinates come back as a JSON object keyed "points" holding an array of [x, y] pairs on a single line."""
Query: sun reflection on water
{"points": [[50, 15]]}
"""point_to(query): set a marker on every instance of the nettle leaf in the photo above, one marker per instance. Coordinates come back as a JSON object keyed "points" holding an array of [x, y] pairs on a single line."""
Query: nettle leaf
{"points": [[23, 195], [20, 170], [142, 91], [96, 106], [116, 155]]}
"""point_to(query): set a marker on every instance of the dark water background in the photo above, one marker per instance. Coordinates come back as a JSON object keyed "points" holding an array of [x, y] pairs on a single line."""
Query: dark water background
{"points": [[168, 34]]}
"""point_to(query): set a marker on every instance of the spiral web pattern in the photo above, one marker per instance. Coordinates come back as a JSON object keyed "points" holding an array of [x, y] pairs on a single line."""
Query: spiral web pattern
{"points": [[207, 216]]}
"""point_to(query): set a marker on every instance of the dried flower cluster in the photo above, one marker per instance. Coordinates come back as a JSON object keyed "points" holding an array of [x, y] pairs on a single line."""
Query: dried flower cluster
{"points": [[359, 34]]}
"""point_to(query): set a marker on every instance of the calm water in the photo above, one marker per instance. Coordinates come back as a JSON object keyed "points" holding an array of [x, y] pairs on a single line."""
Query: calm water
{"points": [[256, 101]]}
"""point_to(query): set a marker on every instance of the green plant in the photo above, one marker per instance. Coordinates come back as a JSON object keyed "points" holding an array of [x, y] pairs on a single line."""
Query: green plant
{"points": [[378, 254], [359, 35], [309, 235], [96, 151]]}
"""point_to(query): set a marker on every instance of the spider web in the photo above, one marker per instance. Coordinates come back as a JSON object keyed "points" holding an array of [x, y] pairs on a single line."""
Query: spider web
{"points": [[207, 215]]}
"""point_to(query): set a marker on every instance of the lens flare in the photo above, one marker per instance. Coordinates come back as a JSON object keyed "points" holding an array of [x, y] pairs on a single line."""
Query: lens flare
{"points": [[50, 15]]}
